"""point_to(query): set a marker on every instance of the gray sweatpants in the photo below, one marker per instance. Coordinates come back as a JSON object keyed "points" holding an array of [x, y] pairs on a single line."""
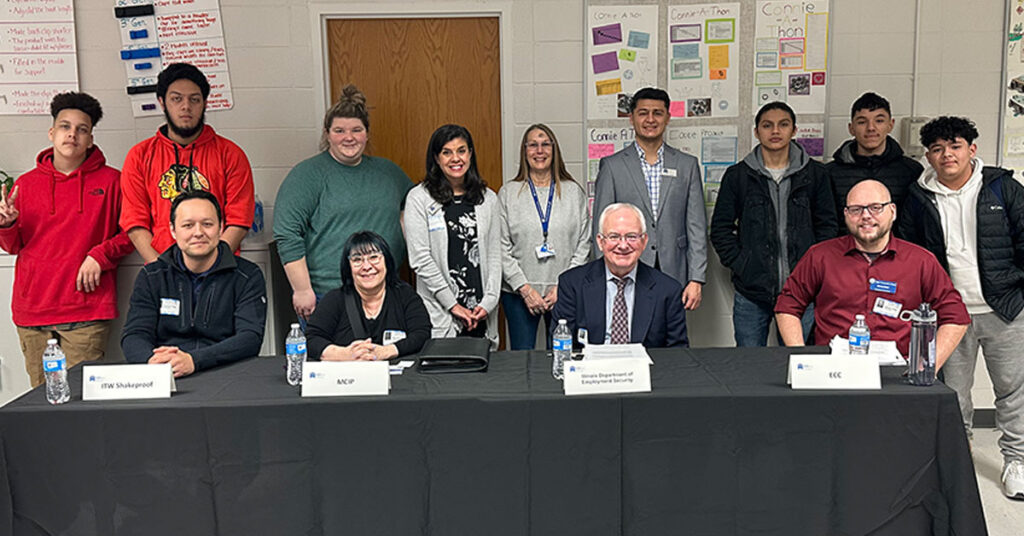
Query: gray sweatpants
{"points": [[1003, 347]]}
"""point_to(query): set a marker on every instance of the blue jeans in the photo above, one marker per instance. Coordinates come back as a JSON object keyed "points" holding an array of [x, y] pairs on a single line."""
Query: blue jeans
{"points": [[522, 326], [750, 322]]}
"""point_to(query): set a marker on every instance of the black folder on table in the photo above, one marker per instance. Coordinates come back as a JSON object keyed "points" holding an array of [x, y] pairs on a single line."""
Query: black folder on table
{"points": [[458, 354]]}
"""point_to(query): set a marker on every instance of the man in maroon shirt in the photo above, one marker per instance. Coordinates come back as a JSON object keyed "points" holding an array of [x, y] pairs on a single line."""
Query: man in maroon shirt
{"points": [[870, 272]]}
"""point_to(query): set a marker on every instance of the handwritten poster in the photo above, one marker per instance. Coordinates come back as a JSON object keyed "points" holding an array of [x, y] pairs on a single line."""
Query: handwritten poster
{"points": [[622, 57], [703, 52], [716, 147], [1013, 112], [791, 54], [37, 54], [188, 31]]}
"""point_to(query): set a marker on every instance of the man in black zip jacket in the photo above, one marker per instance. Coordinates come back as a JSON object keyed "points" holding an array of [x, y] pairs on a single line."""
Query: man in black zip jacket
{"points": [[197, 306], [871, 154], [771, 208], [972, 218]]}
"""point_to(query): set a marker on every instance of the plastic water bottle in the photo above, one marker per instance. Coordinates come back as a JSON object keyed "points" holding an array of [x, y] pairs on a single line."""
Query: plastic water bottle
{"points": [[860, 336], [55, 369], [295, 349], [562, 343], [921, 361]]}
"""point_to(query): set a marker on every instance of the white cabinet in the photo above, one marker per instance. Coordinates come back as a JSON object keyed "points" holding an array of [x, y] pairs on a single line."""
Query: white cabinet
{"points": [[14, 380]]}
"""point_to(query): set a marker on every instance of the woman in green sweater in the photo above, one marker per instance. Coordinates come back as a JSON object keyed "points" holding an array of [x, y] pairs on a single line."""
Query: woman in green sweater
{"points": [[326, 198]]}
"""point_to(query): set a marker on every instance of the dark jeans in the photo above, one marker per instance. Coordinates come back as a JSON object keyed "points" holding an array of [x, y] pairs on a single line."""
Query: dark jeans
{"points": [[522, 326], [750, 322]]}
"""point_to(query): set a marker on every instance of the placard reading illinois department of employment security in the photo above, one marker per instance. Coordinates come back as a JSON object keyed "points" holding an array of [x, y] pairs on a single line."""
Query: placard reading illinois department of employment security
{"points": [[791, 54], [37, 54], [622, 57]]}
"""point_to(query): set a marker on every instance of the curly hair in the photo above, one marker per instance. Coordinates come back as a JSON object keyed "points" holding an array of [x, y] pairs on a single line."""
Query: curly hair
{"points": [[948, 128], [84, 102]]}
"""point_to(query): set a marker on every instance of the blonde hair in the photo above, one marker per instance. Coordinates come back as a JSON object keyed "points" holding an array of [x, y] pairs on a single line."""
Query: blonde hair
{"points": [[351, 104]]}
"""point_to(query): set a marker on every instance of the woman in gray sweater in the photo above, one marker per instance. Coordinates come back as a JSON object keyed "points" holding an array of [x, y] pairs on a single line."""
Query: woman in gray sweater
{"points": [[545, 230], [451, 229]]}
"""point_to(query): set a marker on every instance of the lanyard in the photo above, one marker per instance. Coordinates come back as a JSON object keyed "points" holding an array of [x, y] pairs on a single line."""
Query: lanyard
{"points": [[545, 216]]}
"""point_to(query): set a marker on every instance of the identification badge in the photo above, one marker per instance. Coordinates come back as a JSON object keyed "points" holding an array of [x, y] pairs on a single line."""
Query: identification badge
{"points": [[435, 222], [391, 336], [669, 172], [888, 308], [877, 285], [170, 307], [544, 251]]}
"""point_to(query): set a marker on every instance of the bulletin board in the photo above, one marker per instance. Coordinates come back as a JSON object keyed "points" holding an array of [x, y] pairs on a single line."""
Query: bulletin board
{"points": [[719, 63], [38, 56]]}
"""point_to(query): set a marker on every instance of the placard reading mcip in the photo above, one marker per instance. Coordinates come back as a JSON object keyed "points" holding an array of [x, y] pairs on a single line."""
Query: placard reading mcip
{"points": [[345, 378], [834, 372], [123, 382], [595, 377]]}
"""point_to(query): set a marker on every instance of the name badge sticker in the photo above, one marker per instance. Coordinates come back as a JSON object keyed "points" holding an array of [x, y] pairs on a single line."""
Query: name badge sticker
{"points": [[668, 172], [877, 285], [170, 307], [888, 308], [391, 336], [435, 222]]}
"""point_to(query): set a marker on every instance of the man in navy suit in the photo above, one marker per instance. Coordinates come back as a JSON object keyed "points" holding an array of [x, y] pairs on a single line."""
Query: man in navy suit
{"points": [[617, 298], [665, 184]]}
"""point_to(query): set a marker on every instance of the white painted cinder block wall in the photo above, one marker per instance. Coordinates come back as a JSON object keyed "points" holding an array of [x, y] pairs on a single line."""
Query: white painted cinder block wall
{"points": [[275, 80]]}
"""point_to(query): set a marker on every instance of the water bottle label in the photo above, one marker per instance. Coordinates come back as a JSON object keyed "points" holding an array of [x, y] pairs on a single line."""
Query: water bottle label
{"points": [[53, 365], [860, 340], [562, 344], [295, 348]]}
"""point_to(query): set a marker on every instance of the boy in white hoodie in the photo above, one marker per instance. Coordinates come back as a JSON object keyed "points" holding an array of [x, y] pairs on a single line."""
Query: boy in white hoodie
{"points": [[972, 218]]}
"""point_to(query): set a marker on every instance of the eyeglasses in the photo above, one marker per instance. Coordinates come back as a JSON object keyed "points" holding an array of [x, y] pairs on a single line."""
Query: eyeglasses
{"points": [[533, 146], [874, 208], [630, 238], [373, 258]]}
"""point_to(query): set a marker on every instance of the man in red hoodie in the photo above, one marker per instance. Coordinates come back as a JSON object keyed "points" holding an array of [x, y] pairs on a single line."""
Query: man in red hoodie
{"points": [[184, 155], [60, 219]]}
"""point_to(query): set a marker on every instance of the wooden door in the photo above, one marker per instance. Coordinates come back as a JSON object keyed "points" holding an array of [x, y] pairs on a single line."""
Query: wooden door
{"points": [[419, 74]]}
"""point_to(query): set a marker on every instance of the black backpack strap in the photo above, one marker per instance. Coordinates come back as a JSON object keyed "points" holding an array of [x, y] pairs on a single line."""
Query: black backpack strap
{"points": [[355, 320]]}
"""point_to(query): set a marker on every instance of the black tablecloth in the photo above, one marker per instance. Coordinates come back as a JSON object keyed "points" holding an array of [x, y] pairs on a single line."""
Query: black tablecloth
{"points": [[720, 447]]}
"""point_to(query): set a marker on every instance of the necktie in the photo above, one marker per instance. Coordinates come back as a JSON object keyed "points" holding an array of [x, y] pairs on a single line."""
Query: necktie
{"points": [[620, 316]]}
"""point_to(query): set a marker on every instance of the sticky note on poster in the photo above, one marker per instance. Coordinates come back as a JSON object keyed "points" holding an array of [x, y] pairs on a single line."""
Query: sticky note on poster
{"points": [[609, 87], [718, 74], [686, 51], [677, 109], [605, 62], [597, 151], [718, 56], [610, 33], [639, 39], [627, 55]]}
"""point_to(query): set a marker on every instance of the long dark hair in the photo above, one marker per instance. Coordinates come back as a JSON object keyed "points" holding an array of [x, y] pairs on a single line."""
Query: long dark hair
{"points": [[364, 243], [435, 181]]}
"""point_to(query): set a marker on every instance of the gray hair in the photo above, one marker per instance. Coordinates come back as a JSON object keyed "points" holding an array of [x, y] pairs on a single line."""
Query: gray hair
{"points": [[617, 206]]}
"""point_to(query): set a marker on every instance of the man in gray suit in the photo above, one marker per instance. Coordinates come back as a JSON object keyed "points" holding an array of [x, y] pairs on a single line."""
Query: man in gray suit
{"points": [[666, 184]]}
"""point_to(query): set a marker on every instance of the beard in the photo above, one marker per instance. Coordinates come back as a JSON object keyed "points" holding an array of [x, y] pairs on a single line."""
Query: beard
{"points": [[185, 132]]}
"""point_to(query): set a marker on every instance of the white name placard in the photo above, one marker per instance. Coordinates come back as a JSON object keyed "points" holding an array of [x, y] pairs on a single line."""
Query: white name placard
{"points": [[605, 376], [834, 372], [345, 378], [122, 382]]}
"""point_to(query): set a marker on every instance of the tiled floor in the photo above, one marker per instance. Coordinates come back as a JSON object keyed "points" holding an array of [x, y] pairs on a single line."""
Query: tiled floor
{"points": [[1005, 517]]}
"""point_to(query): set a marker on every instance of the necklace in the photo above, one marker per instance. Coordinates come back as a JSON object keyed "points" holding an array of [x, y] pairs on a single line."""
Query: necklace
{"points": [[372, 313]]}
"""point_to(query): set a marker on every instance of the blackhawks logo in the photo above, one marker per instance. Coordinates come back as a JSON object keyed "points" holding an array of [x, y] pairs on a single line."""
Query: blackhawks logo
{"points": [[179, 179]]}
